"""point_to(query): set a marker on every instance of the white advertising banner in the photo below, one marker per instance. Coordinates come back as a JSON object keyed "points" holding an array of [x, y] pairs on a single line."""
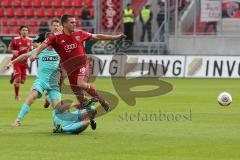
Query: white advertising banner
{"points": [[210, 10], [154, 66], [137, 66], [213, 66]]}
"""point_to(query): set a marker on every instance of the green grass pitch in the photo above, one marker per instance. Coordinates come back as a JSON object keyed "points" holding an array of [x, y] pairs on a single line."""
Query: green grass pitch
{"points": [[213, 132]]}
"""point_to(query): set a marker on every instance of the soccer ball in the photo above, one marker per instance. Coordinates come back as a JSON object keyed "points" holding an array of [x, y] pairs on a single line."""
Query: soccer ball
{"points": [[224, 99]]}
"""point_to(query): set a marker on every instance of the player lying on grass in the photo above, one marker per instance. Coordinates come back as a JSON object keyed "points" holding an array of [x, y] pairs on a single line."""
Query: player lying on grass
{"points": [[47, 79]]}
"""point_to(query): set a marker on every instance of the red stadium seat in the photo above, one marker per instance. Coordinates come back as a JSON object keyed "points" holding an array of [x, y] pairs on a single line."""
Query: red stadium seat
{"points": [[19, 12], [47, 3], [17, 3], [40, 12], [70, 11], [4, 22], [12, 22], [67, 3], [33, 22], [27, 3], [36, 3], [57, 3], [14, 30], [34, 30], [9, 12], [7, 3], [49, 12], [92, 12], [77, 3], [59, 12], [89, 3], [29, 12], [79, 12], [5, 30], [1, 12], [21, 22]]}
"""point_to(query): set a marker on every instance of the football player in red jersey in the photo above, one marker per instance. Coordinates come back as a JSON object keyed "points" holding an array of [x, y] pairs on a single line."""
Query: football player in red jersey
{"points": [[18, 46], [69, 45]]}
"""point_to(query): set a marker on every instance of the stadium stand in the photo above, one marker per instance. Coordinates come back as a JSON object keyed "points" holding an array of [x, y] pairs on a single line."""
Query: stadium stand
{"points": [[14, 13]]}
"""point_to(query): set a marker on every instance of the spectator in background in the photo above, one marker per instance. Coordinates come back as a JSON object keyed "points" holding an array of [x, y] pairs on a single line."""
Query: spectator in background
{"points": [[146, 20], [86, 16], [213, 24], [3, 46], [160, 20], [128, 22]]}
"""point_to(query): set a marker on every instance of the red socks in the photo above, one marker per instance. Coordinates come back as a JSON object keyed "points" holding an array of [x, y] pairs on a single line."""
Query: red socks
{"points": [[16, 88]]}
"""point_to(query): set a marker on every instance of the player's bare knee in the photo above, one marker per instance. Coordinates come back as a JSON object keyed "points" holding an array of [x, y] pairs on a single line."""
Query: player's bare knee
{"points": [[17, 81], [22, 81]]}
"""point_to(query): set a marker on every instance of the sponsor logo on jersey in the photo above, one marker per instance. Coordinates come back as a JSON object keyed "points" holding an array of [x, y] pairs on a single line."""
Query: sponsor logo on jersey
{"points": [[50, 58], [23, 48], [70, 46]]}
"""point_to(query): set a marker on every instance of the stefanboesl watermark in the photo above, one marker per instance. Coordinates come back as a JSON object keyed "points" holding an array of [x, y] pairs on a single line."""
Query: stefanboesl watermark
{"points": [[158, 116]]}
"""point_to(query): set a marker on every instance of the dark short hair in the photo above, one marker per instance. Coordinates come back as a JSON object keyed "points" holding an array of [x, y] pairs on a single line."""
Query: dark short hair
{"points": [[54, 20], [64, 18], [21, 27]]}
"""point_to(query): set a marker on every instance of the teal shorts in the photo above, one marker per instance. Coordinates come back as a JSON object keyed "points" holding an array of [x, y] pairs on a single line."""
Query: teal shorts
{"points": [[52, 90]]}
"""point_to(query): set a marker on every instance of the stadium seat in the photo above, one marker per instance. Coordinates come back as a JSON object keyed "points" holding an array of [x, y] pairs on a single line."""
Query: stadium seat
{"points": [[33, 30], [33, 22], [67, 3], [89, 3], [14, 30], [47, 3], [17, 3], [29, 12], [5, 30], [77, 3], [12, 22], [92, 12], [21, 22], [70, 11], [59, 12], [36, 3], [49, 12], [19, 12], [39, 12], [57, 3], [9, 12], [27, 3], [7, 3], [79, 12], [4, 22], [1, 12]]}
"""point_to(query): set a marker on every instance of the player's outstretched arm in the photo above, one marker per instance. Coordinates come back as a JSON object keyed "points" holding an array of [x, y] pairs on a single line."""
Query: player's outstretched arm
{"points": [[108, 37], [20, 58], [38, 50]]}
